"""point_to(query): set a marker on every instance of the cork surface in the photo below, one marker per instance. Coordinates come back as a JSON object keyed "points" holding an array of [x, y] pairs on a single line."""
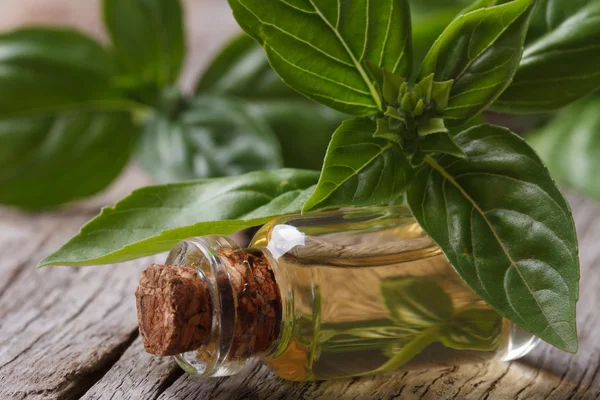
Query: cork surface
{"points": [[174, 310]]}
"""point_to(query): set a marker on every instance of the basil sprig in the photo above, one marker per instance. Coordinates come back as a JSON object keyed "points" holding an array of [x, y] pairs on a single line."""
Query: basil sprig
{"points": [[482, 194]]}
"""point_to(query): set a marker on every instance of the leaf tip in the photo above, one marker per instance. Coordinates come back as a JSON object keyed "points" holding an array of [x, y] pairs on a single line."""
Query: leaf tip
{"points": [[45, 262]]}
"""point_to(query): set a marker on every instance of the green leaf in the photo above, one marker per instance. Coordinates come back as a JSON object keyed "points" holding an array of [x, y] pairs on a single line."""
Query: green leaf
{"points": [[302, 126], [320, 47], [416, 302], [473, 329], [213, 137], [480, 51], [155, 218], [421, 308], [506, 228], [241, 69], [384, 131], [360, 169], [391, 86], [148, 39], [559, 68], [427, 25], [549, 14], [570, 146], [441, 142], [47, 161], [52, 70], [64, 134]]}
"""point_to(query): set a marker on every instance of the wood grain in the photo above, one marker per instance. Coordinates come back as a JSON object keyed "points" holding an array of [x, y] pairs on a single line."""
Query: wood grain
{"points": [[67, 333], [61, 329]]}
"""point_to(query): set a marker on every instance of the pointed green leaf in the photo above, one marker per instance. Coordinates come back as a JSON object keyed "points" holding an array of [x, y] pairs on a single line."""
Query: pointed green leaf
{"points": [[419, 108], [441, 142], [549, 14], [375, 72], [406, 102], [393, 113], [302, 126], [391, 86], [384, 132], [506, 228], [360, 169], [403, 90], [426, 86], [416, 302], [480, 51], [433, 125], [155, 218], [473, 329], [47, 69], [215, 136], [64, 133], [319, 47], [56, 158], [558, 68], [570, 146], [148, 39], [440, 93], [241, 69]]}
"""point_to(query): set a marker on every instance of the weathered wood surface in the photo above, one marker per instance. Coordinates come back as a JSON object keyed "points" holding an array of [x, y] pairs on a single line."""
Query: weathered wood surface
{"points": [[70, 333], [67, 333]]}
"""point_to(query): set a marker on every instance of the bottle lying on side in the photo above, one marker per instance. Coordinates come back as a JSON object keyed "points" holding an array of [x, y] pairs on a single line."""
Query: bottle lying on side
{"points": [[320, 296]]}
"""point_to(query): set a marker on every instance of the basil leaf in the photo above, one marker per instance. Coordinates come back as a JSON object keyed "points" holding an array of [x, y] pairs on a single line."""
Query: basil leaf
{"points": [[320, 47], [473, 329], [480, 51], [427, 26], [559, 68], [155, 218], [549, 14], [241, 69], [62, 136], [148, 39], [506, 228], [416, 302], [441, 142], [49, 70], [421, 308], [302, 126], [570, 145], [214, 136], [47, 161], [360, 169]]}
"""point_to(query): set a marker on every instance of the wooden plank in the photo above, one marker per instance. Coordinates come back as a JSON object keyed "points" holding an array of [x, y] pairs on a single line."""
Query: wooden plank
{"points": [[137, 375], [60, 328]]}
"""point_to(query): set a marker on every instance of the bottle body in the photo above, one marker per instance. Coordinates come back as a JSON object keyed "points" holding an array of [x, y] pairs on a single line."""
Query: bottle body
{"points": [[366, 291]]}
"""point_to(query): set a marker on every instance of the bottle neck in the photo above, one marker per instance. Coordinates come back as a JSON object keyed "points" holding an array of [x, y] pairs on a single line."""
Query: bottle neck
{"points": [[257, 302], [235, 288]]}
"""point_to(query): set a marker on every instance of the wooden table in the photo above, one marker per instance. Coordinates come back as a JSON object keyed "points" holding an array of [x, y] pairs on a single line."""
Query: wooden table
{"points": [[72, 333]]}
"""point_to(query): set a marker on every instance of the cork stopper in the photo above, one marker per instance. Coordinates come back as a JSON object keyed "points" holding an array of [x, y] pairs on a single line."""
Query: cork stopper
{"points": [[175, 308]]}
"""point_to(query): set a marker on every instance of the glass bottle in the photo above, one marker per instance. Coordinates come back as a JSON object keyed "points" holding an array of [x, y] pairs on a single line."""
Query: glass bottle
{"points": [[359, 292]]}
